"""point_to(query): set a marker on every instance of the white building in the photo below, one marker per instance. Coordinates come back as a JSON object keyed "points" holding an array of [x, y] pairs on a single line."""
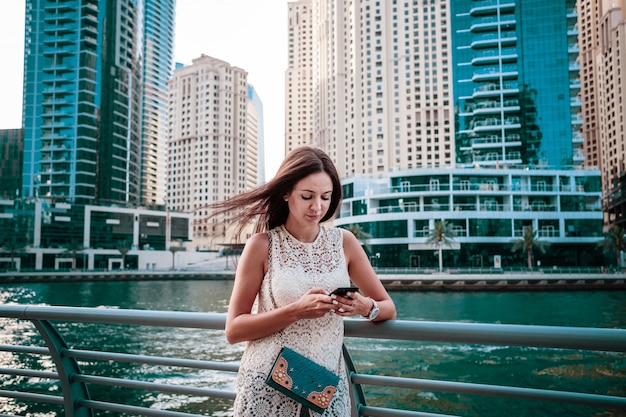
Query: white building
{"points": [[487, 209], [375, 76], [209, 143]]}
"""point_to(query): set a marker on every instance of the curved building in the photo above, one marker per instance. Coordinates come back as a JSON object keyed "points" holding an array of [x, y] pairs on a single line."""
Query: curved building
{"points": [[488, 210]]}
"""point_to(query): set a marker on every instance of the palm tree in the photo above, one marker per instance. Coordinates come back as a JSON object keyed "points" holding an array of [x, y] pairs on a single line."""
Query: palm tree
{"points": [[527, 243], [123, 247], [175, 249], [614, 240], [442, 234], [72, 248]]}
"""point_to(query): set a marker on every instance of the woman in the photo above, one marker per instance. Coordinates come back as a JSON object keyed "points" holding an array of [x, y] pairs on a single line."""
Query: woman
{"points": [[281, 294]]}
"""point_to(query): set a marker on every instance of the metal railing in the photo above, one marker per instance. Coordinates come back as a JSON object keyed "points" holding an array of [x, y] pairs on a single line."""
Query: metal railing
{"points": [[74, 383]]}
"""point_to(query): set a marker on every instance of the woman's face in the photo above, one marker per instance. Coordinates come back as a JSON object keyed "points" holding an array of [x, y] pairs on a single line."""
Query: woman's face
{"points": [[309, 199]]}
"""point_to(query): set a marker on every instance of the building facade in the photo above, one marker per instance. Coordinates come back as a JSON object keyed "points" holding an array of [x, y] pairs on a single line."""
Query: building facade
{"points": [[60, 235], [255, 139], [208, 143], [382, 85], [83, 93], [516, 84], [488, 209], [157, 68], [299, 87], [11, 151], [611, 105]]}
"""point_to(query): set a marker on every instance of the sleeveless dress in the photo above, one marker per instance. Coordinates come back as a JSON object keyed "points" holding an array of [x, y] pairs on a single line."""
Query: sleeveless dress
{"points": [[294, 268]]}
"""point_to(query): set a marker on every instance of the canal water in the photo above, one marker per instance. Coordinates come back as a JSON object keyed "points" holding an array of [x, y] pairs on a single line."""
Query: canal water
{"points": [[567, 370]]}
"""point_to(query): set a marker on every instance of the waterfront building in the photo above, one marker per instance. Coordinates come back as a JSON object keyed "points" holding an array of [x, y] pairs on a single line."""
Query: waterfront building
{"points": [[447, 92], [11, 148], [488, 209], [61, 235], [84, 85], [516, 93], [209, 143]]}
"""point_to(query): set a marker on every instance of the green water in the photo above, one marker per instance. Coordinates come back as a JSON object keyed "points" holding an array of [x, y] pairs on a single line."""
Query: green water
{"points": [[602, 373]]}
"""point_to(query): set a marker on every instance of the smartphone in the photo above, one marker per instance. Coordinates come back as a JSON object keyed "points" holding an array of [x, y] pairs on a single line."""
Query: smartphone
{"points": [[343, 291]]}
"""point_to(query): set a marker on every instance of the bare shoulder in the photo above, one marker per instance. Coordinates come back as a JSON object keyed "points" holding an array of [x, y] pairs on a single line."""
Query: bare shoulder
{"points": [[349, 240], [259, 242], [253, 261]]}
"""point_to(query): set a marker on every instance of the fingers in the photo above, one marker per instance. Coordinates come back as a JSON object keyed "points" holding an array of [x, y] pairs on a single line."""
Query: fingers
{"points": [[348, 305]]}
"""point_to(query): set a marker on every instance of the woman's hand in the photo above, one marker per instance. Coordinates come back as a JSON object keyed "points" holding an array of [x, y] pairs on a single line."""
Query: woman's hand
{"points": [[314, 304], [353, 304]]}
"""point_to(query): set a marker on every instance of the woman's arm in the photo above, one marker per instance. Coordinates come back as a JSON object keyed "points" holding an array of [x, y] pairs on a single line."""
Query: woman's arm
{"points": [[363, 276], [241, 324]]}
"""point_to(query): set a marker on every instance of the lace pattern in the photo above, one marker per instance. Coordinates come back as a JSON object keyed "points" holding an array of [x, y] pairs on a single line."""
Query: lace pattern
{"points": [[294, 268]]}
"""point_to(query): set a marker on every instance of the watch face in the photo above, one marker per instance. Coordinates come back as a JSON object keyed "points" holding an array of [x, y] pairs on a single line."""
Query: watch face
{"points": [[374, 312]]}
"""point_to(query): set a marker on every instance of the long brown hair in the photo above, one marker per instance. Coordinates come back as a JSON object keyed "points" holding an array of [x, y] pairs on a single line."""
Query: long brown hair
{"points": [[265, 205]]}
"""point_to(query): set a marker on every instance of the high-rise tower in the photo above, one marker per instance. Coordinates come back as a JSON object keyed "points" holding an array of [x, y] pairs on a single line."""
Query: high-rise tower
{"points": [[157, 58], [209, 142], [299, 90], [83, 92], [603, 69], [516, 83], [374, 76]]}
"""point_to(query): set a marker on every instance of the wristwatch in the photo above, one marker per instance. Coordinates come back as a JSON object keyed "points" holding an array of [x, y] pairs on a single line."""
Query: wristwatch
{"points": [[374, 311]]}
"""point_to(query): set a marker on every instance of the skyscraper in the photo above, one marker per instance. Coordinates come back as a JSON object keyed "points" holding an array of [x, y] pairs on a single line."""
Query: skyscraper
{"points": [[209, 143], [83, 92], [299, 98], [378, 84], [158, 51], [516, 83], [603, 68], [255, 138]]}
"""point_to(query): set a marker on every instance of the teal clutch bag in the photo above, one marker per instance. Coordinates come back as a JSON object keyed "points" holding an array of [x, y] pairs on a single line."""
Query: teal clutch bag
{"points": [[303, 380]]}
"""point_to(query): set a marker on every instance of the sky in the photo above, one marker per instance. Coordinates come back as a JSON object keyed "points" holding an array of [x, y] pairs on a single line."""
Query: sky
{"points": [[249, 34]]}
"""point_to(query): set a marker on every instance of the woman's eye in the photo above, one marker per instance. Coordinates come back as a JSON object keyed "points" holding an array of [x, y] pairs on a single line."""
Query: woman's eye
{"points": [[308, 197]]}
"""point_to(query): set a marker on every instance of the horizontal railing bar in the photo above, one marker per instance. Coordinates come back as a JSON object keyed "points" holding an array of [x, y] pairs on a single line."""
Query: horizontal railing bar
{"points": [[30, 396], [387, 412], [193, 320], [133, 410], [25, 349], [608, 340], [29, 373], [584, 338], [492, 390], [153, 386], [152, 360], [477, 333]]}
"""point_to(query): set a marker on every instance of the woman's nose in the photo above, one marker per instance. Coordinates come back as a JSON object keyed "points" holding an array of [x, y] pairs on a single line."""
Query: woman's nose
{"points": [[316, 203]]}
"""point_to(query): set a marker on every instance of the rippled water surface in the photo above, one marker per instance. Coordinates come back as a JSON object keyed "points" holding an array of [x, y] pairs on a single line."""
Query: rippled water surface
{"points": [[517, 366]]}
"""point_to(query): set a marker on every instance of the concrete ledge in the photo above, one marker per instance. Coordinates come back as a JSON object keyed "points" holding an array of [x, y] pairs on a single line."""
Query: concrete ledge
{"points": [[530, 281]]}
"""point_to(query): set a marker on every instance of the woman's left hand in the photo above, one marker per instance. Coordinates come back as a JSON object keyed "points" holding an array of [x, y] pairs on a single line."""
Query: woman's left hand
{"points": [[353, 304]]}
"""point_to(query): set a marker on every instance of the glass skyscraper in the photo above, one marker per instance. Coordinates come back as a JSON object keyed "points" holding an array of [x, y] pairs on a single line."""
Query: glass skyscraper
{"points": [[158, 56], [516, 83], [84, 84]]}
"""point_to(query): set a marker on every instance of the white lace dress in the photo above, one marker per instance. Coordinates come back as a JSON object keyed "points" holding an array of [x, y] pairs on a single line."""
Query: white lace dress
{"points": [[294, 268]]}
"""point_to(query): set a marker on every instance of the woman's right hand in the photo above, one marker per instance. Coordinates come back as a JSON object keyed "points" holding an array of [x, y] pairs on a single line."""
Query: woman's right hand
{"points": [[314, 304]]}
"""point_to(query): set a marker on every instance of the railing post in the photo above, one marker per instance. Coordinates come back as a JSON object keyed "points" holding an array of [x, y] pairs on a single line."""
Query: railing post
{"points": [[357, 395], [67, 367]]}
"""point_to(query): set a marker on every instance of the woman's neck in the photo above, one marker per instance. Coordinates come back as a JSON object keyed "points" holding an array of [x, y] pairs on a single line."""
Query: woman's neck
{"points": [[307, 235]]}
